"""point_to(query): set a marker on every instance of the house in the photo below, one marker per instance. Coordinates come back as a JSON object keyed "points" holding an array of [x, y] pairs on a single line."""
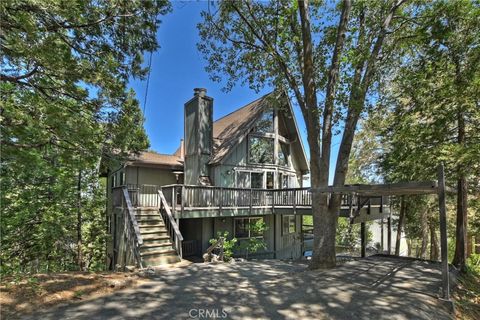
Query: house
{"points": [[226, 174]]}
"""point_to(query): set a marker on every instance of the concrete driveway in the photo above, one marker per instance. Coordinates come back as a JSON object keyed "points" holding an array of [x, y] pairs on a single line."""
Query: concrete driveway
{"points": [[370, 288]]}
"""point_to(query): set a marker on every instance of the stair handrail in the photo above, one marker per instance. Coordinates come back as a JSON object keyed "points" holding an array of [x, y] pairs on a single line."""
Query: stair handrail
{"points": [[133, 224], [178, 238]]}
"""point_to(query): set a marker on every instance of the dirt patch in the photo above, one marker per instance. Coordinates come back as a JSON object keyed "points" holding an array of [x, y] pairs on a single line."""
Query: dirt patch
{"points": [[22, 296]]}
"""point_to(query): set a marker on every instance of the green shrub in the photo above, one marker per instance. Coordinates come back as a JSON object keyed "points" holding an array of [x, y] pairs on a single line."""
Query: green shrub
{"points": [[228, 245], [473, 264]]}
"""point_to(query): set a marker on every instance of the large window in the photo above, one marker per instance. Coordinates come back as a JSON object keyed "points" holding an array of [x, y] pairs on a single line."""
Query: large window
{"points": [[246, 228], [265, 123], [260, 150], [283, 154], [288, 224]]}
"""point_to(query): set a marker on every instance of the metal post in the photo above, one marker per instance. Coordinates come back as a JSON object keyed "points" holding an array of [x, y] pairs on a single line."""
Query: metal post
{"points": [[363, 236], [443, 232]]}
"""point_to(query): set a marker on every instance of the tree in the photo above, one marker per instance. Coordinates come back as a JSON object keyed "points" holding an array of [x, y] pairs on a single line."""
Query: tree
{"points": [[66, 114], [435, 106], [328, 66]]}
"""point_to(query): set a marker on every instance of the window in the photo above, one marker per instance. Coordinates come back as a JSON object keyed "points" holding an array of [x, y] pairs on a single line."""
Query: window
{"points": [[243, 179], [286, 181], [261, 150], [288, 224], [246, 228], [265, 123], [270, 182], [122, 178], [283, 154], [257, 180]]}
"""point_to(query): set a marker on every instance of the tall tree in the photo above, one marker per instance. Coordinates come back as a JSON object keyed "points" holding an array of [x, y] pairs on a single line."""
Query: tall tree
{"points": [[435, 101], [66, 109], [328, 65]]}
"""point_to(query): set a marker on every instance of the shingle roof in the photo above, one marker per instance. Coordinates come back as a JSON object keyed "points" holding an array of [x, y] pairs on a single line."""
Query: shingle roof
{"points": [[228, 131], [158, 159]]}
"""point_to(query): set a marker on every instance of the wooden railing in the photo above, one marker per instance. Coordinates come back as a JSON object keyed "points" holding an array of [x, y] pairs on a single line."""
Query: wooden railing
{"points": [[170, 223], [121, 199], [187, 197], [143, 195]]}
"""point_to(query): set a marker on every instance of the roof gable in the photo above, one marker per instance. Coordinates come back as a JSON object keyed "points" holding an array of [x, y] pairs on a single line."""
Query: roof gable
{"points": [[231, 129]]}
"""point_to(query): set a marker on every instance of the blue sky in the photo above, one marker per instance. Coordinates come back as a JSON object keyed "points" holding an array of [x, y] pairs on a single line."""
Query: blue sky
{"points": [[177, 68]]}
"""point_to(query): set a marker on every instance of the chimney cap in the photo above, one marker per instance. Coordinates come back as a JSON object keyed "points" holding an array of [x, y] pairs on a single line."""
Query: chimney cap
{"points": [[199, 92]]}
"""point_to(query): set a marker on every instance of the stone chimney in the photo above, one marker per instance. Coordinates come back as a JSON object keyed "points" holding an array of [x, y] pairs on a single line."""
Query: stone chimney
{"points": [[198, 128]]}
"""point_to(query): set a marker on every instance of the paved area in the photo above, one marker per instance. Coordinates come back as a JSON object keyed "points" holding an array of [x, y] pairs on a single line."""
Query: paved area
{"points": [[370, 288]]}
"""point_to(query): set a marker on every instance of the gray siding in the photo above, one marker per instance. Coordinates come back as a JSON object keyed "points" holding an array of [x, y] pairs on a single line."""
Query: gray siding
{"points": [[145, 175]]}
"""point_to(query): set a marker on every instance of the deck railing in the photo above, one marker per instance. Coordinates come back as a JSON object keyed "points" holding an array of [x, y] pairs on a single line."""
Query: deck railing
{"points": [[170, 223], [122, 199], [187, 197]]}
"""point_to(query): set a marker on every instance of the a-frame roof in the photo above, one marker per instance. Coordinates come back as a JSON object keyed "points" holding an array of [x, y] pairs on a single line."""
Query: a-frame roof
{"points": [[230, 130]]}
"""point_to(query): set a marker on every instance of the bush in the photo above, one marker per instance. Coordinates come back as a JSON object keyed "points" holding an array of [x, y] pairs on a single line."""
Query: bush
{"points": [[473, 264], [228, 245]]}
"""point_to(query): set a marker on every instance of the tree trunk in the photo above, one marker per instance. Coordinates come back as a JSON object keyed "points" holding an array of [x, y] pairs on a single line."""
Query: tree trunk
{"points": [[324, 220], [79, 221], [400, 226], [461, 228], [434, 249]]}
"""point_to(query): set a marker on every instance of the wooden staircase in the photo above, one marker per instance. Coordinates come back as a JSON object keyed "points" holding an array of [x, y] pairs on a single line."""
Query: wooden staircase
{"points": [[157, 247]]}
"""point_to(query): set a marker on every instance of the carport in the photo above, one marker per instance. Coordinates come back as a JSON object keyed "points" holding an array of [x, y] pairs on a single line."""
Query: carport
{"points": [[399, 189]]}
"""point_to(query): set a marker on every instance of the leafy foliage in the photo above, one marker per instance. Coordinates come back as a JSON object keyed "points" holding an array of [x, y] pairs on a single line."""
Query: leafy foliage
{"points": [[228, 244], [67, 115]]}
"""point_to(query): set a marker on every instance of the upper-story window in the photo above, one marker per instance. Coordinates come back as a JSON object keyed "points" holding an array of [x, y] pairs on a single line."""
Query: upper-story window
{"points": [[283, 154], [265, 123], [260, 150]]}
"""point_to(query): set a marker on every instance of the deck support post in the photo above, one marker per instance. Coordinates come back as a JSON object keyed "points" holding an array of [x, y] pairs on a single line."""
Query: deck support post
{"points": [[381, 235], [389, 233], [443, 233], [363, 237]]}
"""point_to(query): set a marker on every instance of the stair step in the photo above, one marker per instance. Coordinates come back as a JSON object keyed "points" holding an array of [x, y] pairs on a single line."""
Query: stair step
{"points": [[159, 260], [155, 216], [155, 237], [155, 245], [153, 231], [152, 228], [151, 222], [158, 252]]}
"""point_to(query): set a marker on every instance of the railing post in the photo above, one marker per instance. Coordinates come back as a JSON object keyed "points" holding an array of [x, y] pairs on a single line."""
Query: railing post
{"points": [[443, 233], [220, 205], [174, 200], [295, 201], [183, 198], [251, 200]]}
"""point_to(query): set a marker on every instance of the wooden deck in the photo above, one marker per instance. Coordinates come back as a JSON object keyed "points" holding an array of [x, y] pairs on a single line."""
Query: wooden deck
{"points": [[205, 201]]}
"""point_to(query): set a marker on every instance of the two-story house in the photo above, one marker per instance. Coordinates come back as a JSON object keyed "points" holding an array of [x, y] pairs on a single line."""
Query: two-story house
{"points": [[226, 174]]}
